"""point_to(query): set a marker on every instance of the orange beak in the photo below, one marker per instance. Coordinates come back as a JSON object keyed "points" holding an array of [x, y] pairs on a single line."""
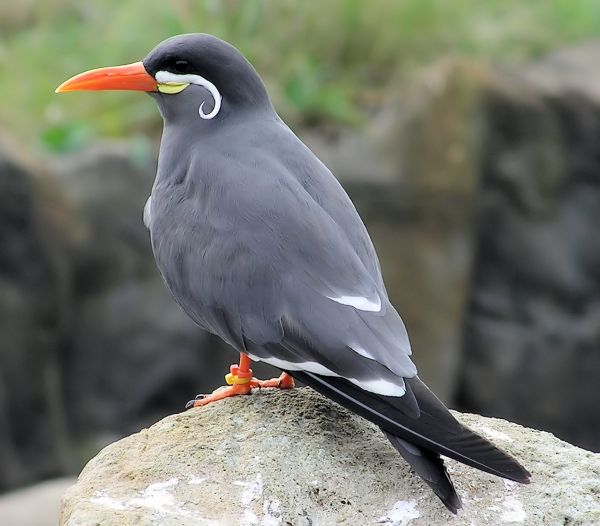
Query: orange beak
{"points": [[128, 77]]}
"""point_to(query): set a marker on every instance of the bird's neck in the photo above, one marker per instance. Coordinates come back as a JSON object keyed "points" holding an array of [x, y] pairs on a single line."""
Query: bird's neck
{"points": [[185, 118], [252, 94]]}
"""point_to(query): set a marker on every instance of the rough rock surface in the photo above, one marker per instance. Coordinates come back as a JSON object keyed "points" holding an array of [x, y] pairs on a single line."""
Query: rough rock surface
{"points": [[294, 458]]}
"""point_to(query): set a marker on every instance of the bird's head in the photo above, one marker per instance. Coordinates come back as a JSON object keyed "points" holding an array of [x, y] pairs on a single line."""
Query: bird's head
{"points": [[194, 76]]}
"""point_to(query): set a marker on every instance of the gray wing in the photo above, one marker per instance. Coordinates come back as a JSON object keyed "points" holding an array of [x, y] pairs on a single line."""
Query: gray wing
{"points": [[274, 275], [318, 181]]}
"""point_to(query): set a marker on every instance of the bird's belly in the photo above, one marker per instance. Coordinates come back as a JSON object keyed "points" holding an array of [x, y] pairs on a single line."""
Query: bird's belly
{"points": [[185, 262]]}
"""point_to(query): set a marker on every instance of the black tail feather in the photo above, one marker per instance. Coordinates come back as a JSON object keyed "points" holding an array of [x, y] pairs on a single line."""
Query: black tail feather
{"points": [[435, 430], [430, 467]]}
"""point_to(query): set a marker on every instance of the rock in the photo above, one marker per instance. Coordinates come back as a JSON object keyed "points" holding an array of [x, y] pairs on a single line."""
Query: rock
{"points": [[533, 316], [293, 457], [36, 505], [33, 442], [567, 70]]}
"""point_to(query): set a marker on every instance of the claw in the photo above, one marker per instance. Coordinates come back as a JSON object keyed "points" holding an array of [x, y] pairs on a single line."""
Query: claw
{"points": [[224, 392], [240, 382]]}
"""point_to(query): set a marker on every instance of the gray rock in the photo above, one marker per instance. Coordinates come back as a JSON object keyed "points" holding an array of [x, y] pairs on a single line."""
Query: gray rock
{"points": [[567, 70], [277, 458], [533, 318], [32, 422]]}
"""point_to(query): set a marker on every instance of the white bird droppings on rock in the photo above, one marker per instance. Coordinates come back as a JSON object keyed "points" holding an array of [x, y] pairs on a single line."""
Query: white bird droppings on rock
{"points": [[103, 499], [513, 510], [271, 513], [252, 489], [401, 513], [158, 496], [249, 518], [252, 492], [492, 434]]}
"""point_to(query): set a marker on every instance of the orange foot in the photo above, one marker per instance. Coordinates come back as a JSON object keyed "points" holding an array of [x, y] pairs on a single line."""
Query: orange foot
{"points": [[241, 382], [285, 381]]}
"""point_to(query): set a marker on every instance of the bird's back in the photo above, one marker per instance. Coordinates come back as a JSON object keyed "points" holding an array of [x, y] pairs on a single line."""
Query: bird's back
{"points": [[327, 192], [234, 196]]}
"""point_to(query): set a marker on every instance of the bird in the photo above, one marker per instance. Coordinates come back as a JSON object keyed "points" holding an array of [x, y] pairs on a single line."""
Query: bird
{"points": [[260, 245]]}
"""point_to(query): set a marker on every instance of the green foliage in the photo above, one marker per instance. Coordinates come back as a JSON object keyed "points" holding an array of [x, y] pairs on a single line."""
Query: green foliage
{"points": [[67, 137], [322, 60]]}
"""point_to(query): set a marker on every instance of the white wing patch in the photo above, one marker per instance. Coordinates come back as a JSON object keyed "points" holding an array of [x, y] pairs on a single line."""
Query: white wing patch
{"points": [[379, 386], [166, 77], [362, 351], [311, 367], [359, 302], [147, 217]]}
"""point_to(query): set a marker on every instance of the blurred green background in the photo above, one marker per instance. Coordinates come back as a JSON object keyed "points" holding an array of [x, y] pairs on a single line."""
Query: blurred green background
{"points": [[466, 132], [323, 62]]}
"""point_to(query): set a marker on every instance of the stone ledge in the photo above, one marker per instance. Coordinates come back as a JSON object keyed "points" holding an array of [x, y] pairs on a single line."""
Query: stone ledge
{"points": [[293, 457]]}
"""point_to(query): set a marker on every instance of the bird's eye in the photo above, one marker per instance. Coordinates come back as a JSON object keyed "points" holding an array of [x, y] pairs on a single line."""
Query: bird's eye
{"points": [[181, 66]]}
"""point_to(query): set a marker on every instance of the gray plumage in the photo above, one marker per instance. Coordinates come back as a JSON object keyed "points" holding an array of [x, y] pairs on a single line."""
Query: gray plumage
{"points": [[251, 240], [260, 245]]}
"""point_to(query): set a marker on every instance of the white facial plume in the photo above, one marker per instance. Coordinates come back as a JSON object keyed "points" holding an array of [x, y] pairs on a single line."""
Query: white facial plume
{"points": [[172, 83]]}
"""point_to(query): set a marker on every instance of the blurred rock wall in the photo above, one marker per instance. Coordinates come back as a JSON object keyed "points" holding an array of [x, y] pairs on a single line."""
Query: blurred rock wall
{"points": [[532, 337], [31, 415], [481, 192]]}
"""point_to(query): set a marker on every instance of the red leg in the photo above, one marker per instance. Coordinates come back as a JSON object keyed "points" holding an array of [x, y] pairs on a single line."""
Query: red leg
{"points": [[241, 382]]}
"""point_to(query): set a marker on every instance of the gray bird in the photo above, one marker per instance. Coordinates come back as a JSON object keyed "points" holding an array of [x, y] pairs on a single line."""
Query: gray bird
{"points": [[260, 245]]}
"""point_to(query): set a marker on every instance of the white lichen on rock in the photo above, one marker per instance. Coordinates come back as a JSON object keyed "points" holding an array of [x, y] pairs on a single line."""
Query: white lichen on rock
{"points": [[294, 457]]}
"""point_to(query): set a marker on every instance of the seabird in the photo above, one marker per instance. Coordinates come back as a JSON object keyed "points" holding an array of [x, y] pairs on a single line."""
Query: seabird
{"points": [[260, 245]]}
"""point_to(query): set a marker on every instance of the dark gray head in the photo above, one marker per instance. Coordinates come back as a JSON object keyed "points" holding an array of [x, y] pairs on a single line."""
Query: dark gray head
{"points": [[195, 78], [202, 77]]}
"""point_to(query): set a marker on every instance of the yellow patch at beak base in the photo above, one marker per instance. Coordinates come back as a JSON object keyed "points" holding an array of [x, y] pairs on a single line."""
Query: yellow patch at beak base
{"points": [[171, 89]]}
